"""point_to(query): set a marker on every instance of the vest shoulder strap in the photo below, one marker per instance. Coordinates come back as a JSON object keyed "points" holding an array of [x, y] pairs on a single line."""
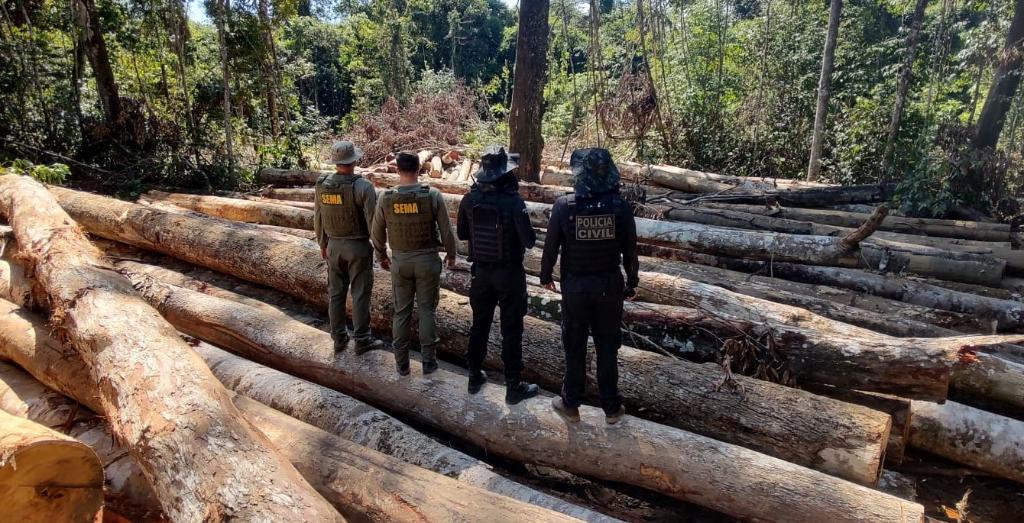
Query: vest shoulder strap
{"points": [[320, 179]]}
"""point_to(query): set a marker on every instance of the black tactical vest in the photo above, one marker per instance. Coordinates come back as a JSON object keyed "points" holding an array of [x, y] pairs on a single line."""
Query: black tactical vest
{"points": [[339, 215], [595, 232], [410, 219], [493, 237]]}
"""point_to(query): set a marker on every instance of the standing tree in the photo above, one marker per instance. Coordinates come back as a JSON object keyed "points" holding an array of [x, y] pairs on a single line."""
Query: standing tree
{"points": [[524, 119], [223, 11], [902, 86], [824, 90], [91, 39], [1004, 84]]}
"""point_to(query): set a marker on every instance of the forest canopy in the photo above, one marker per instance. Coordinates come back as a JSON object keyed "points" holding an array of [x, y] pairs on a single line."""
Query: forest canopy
{"points": [[126, 94]]}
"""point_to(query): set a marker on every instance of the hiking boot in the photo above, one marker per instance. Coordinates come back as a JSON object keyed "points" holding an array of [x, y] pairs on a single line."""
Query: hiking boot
{"points": [[366, 345], [428, 354], [568, 413], [477, 378], [429, 367], [340, 344], [402, 361], [616, 416], [403, 368], [519, 391]]}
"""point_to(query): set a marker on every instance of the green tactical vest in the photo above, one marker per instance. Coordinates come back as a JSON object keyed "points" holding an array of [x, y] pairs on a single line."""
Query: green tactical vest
{"points": [[339, 215], [410, 219]]}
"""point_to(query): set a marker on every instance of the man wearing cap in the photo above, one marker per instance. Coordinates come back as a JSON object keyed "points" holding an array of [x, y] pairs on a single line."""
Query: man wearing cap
{"points": [[413, 219], [342, 212], [595, 233], [492, 217]]}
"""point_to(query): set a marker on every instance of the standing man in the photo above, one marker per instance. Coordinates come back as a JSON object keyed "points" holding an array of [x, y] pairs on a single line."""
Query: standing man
{"points": [[342, 212], [595, 231], [493, 218], [413, 219]]}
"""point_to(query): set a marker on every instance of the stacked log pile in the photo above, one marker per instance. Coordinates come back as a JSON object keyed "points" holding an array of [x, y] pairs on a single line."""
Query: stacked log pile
{"points": [[782, 355]]}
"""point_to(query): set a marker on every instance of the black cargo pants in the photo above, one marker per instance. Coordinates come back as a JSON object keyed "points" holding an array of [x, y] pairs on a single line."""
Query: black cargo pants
{"points": [[504, 286], [593, 312]]}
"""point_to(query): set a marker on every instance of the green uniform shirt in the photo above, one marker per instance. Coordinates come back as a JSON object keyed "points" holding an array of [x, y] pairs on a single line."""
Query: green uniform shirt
{"points": [[365, 199], [378, 232]]}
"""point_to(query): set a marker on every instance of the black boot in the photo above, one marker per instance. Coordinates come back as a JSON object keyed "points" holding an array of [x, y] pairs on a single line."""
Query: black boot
{"points": [[517, 391], [340, 343], [402, 361], [363, 346], [429, 355], [477, 378]]}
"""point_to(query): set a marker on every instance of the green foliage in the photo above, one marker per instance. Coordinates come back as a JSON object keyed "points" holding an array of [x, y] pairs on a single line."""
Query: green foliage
{"points": [[53, 174]]}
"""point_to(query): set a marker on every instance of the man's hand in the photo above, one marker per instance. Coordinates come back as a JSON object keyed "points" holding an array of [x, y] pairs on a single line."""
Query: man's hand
{"points": [[630, 293], [449, 260], [385, 263], [323, 253], [550, 286]]}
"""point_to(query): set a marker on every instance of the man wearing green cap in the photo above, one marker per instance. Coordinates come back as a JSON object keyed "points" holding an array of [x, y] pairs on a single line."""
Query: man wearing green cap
{"points": [[413, 220], [492, 217], [594, 231], [342, 212]]}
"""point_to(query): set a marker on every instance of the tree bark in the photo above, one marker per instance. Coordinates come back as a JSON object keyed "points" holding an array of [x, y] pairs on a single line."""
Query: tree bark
{"points": [[992, 382], [364, 425], [222, 20], [531, 70], [968, 230], [128, 492], [239, 210], [1005, 80], [289, 233], [88, 21], [287, 177], [47, 476], [970, 436], [691, 181], [824, 90], [902, 87], [897, 408], [155, 391], [673, 462]]}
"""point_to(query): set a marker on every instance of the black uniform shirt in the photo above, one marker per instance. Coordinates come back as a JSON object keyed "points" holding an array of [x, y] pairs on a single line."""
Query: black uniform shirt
{"points": [[524, 230], [558, 231]]}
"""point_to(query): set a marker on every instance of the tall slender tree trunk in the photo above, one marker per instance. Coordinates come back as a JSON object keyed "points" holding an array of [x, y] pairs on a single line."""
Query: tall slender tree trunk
{"points": [[906, 74], [824, 90], [270, 71], [224, 9], [524, 119], [96, 51], [1004, 84]]}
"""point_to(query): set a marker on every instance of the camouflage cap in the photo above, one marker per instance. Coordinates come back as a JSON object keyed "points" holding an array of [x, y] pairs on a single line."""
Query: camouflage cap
{"points": [[593, 172], [495, 163], [345, 153]]}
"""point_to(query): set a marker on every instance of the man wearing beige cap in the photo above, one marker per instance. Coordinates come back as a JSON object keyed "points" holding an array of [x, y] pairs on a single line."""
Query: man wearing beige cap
{"points": [[342, 213]]}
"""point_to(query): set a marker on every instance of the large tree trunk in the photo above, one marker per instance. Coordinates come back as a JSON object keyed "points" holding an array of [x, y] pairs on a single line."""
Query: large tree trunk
{"points": [[88, 21], [222, 19], [673, 462], [902, 87], [678, 392], [287, 232], [968, 230], [157, 394], [994, 382], [239, 210], [967, 435], [364, 484], [1005, 80], [687, 180], [824, 89], [530, 75], [128, 491], [47, 476], [362, 424]]}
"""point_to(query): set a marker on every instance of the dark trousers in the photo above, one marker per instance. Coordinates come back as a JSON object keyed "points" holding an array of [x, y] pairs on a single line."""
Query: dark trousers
{"points": [[599, 314], [503, 286]]}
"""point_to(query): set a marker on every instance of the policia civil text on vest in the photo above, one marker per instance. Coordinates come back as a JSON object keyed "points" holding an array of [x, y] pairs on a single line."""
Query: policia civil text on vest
{"points": [[412, 219], [343, 209], [492, 217]]}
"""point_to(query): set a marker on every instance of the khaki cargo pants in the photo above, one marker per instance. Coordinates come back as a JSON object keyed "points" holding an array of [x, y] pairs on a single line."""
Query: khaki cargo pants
{"points": [[349, 264], [415, 276]]}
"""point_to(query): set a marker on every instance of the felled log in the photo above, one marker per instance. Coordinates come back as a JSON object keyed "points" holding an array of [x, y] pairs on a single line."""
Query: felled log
{"points": [[364, 425], [701, 182], [128, 492], [162, 402], [717, 475], [995, 232], [263, 228], [1007, 313], [451, 157], [239, 210], [297, 194], [897, 408], [551, 175], [814, 250], [970, 436], [14, 283], [425, 156], [680, 393], [45, 475], [991, 382], [362, 483]]}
